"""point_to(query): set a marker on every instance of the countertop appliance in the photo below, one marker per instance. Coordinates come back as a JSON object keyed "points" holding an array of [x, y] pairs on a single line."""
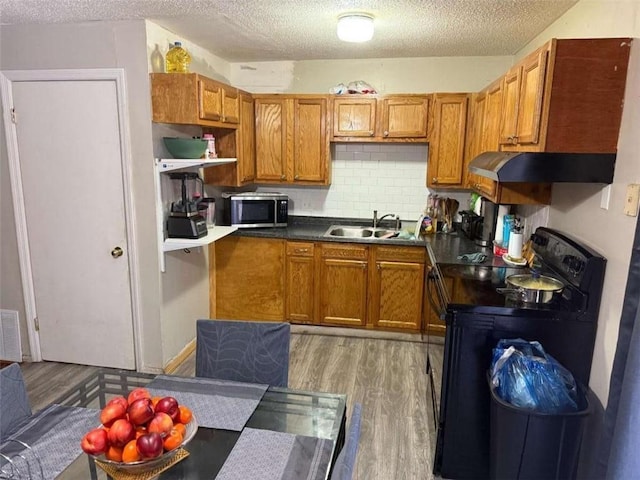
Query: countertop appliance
{"points": [[255, 209], [489, 211], [184, 220], [471, 224], [477, 316]]}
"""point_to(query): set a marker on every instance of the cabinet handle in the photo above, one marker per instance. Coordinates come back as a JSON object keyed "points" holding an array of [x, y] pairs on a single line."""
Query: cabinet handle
{"points": [[386, 134], [297, 177], [283, 177], [301, 250], [371, 133], [379, 267], [363, 266], [434, 180]]}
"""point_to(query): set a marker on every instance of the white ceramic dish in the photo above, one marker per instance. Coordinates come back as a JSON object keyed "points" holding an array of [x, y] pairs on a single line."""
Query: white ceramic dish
{"points": [[516, 262]]}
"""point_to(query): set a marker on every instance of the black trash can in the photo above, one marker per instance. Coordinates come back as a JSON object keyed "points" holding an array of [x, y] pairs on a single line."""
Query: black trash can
{"points": [[526, 445]]}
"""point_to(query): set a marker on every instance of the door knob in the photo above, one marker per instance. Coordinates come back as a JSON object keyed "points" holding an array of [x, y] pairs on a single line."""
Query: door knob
{"points": [[117, 252]]}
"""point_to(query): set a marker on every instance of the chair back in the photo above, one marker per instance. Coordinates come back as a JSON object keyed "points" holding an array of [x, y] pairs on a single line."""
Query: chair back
{"points": [[346, 461], [14, 402], [255, 352]]}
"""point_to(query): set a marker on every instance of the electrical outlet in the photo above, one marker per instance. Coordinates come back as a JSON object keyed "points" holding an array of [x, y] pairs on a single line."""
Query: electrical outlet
{"points": [[631, 200], [606, 196]]}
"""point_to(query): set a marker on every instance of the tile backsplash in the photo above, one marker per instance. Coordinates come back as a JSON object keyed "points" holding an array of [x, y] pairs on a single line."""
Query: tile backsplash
{"points": [[389, 178]]}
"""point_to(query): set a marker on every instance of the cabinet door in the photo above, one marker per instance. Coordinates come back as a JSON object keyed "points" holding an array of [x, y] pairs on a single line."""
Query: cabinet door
{"points": [[490, 137], [247, 145], [248, 286], [405, 117], [209, 99], [446, 148], [343, 292], [230, 105], [311, 145], [474, 146], [511, 96], [271, 139], [300, 282], [354, 117], [397, 295], [530, 102]]}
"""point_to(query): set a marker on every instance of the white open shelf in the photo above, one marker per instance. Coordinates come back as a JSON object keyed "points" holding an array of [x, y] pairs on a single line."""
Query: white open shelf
{"points": [[213, 234], [171, 244], [166, 165]]}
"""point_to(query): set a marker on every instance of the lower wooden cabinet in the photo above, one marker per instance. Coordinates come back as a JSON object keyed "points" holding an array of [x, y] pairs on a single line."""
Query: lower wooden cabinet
{"points": [[320, 283], [248, 278], [342, 285], [396, 293], [300, 282]]}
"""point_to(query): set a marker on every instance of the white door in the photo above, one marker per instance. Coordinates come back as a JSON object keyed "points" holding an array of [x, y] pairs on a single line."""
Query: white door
{"points": [[69, 150]]}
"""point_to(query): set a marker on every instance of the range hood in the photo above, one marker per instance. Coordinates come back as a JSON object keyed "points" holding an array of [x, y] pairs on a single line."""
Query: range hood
{"points": [[539, 167]]}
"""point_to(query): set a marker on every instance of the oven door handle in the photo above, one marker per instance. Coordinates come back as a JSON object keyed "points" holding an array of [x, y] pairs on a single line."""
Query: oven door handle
{"points": [[432, 277]]}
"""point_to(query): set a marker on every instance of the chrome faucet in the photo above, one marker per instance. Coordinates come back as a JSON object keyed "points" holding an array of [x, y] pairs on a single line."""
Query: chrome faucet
{"points": [[376, 220]]}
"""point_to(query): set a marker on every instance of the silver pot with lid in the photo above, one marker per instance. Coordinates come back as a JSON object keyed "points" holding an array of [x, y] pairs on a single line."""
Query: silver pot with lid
{"points": [[533, 287]]}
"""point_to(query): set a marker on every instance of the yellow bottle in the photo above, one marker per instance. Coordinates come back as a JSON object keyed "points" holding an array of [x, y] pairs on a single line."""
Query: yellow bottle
{"points": [[177, 59]]}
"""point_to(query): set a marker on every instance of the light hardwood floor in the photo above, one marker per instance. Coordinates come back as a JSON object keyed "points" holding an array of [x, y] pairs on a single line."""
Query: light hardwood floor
{"points": [[386, 376]]}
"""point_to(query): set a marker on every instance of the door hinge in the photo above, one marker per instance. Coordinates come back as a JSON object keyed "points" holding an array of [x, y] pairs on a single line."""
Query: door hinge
{"points": [[37, 324], [13, 115]]}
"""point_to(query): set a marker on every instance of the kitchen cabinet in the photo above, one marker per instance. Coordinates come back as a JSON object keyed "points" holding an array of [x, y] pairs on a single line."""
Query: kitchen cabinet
{"points": [[523, 88], [342, 284], [447, 140], [300, 282], [292, 139], [248, 278], [396, 287], [193, 99], [367, 118], [566, 97], [240, 143], [474, 137]]}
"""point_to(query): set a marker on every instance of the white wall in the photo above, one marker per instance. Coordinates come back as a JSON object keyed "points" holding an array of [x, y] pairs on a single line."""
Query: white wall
{"points": [[576, 208]]}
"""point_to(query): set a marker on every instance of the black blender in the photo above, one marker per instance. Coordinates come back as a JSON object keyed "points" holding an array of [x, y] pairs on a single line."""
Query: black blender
{"points": [[184, 220]]}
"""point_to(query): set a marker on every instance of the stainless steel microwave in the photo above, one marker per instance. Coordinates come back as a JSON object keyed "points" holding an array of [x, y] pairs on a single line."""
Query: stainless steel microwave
{"points": [[255, 209]]}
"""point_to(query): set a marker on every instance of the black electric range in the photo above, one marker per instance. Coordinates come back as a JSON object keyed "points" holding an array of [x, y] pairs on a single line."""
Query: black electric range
{"points": [[477, 316]]}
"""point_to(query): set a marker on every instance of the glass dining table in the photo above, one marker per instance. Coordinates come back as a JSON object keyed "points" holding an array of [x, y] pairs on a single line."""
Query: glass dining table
{"points": [[301, 413]]}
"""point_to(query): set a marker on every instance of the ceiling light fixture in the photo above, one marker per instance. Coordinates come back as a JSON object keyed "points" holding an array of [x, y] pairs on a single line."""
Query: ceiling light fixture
{"points": [[355, 27]]}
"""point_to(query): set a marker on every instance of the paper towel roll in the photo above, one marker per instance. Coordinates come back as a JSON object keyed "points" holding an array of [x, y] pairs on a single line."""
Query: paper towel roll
{"points": [[515, 245], [502, 211]]}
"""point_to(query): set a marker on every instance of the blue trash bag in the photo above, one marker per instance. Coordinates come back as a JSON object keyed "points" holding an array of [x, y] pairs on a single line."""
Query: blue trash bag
{"points": [[524, 375]]}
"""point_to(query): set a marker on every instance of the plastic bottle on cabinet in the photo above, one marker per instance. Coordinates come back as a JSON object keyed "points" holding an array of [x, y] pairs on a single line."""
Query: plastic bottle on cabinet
{"points": [[177, 59], [211, 148]]}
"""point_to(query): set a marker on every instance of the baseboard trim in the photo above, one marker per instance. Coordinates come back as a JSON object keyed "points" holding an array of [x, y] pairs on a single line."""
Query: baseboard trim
{"points": [[176, 361]]}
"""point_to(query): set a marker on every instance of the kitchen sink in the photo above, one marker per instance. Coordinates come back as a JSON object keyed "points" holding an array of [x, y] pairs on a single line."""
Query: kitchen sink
{"points": [[359, 232]]}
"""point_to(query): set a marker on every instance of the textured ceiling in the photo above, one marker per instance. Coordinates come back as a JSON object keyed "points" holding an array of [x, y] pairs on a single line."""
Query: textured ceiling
{"points": [[261, 30]]}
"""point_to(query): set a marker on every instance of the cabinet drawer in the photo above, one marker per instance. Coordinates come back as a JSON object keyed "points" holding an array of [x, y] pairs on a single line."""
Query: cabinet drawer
{"points": [[401, 254], [300, 249], [342, 250]]}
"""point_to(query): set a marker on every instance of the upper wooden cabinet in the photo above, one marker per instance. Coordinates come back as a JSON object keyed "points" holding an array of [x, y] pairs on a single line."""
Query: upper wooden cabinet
{"points": [[190, 98], [447, 141], [367, 118], [523, 88], [354, 116], [292, 139], [566, 96], [239, 143]]}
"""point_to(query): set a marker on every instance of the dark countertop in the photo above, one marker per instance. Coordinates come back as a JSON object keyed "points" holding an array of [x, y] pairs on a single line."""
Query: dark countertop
{"points": [[442, 247]]}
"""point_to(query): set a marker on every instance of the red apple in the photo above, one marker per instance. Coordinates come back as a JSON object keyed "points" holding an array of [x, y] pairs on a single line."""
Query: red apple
{"points": [[95, 442], [140, 411], [112, 412], [121, 433], [169, 405], [161, 423], [150, 445], [119, 399], [137, 393]]}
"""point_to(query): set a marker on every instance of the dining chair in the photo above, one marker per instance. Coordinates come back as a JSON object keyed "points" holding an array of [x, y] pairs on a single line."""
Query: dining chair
{"points": [[255, 352], [14, 402], [346, 461]]}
